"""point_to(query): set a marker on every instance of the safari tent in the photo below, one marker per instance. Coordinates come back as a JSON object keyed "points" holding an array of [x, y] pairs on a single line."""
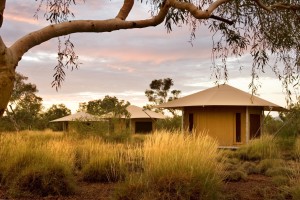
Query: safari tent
{"points": [[142, 120], [85, 119], [228, 114]]}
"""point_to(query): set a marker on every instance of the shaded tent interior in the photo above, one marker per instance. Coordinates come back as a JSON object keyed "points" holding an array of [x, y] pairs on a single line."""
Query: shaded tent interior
{"points": [[140, 121], [231, 116]]}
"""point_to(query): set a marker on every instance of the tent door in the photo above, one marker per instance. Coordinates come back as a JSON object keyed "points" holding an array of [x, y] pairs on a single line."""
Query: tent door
{"points": [[255, 130], [143, 127]]}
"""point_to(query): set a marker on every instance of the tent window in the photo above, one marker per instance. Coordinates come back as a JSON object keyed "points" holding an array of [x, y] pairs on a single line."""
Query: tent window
{"points": [[238, 134], [191, 122]]}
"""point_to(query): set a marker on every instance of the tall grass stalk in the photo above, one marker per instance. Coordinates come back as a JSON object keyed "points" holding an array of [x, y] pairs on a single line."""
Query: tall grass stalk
{"points": [[297, 149], [100, 161], [178, 166], [28, 157]]}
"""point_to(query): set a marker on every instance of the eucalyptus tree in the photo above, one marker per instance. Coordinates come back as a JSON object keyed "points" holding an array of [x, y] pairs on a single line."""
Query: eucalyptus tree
{"points": [[262, 28], [159, 93]]}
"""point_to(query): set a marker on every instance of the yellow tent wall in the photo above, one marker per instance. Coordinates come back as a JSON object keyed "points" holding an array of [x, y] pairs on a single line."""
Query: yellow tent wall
{"points": [[220, 122]]}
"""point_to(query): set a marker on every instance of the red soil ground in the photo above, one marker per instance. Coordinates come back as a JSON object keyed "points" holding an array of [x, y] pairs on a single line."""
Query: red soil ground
{"points": [[256, 187]]}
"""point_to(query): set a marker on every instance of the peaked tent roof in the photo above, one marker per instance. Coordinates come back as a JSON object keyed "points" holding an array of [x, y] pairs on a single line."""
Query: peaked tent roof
{"points": [[137, 112], [222, 95], [80, 116]]}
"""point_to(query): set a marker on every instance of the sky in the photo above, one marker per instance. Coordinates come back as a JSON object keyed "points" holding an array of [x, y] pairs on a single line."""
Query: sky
{"points": [[123, 63]]}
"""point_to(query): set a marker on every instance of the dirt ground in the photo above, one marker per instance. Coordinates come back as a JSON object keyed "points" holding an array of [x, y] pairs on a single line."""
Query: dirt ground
{"points": [[256, 187]]}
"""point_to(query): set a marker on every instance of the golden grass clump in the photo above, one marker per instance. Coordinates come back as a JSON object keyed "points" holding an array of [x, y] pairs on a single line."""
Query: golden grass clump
{"points": [[265, 147], [100, 161], [297, 149], [28, 164], [178, 166]]}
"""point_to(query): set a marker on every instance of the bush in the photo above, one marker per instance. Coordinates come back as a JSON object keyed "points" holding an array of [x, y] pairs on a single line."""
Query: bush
{"points": [[44, 179], [280, 180], [268, 164], [99, 161], [249, 167], [236, 175], [104, 170], [279, 171], [297, 149], [39, 163], [35, 172], [169, 124], [259, 149]]}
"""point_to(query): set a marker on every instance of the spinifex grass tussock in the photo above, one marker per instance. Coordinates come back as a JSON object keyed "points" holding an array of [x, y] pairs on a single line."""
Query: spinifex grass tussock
{"points": [[294, 189], [258, 149], [177, 166], [101, 161], [28, 164], [297, 149]]}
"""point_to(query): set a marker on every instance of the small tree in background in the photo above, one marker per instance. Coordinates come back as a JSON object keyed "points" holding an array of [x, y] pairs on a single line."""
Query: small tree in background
{"points": [[109, 107], [25, 107], [159, 93], [55, 112], [291, 119], [272, 125]]}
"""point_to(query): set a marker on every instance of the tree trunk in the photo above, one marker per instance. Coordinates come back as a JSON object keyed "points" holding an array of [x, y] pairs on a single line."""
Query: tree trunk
{"points": [[7, 75]]}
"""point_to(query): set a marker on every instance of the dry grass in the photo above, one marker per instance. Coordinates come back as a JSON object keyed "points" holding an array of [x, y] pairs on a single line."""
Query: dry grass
{"points": [[265, 147], [177, 166]]}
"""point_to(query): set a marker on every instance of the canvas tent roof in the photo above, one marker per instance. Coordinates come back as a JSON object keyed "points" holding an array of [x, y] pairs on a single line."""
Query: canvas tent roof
{"points": [[137, 112], [222, 95], [80, 116]]}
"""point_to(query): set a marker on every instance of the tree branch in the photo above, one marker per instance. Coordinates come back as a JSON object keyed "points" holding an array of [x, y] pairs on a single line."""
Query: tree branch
{"points": [[263, 6], [25, 43], [230, 22], [277, 6], [125, 10], [282, 6], [197, 13]]}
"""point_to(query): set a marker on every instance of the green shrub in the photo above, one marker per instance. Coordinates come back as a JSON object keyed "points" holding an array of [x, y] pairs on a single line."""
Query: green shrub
{"points": [[236, 175], [259, 149], [279, 171], [280, 180], [249, 167], [268, 164], [297, 149]]}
